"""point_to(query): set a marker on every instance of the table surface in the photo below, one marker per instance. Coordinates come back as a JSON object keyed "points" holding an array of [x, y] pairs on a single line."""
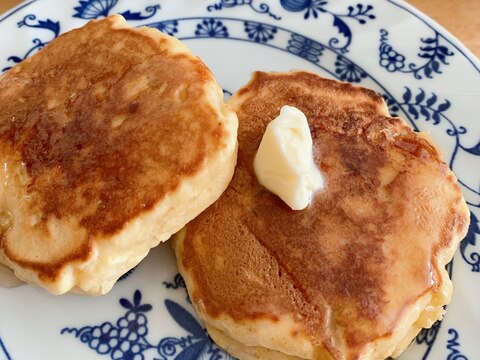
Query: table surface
{"points": [[460, 17]]}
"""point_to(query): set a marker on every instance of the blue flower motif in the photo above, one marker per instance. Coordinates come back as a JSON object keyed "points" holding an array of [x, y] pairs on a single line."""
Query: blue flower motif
{"points": [[431, 50], [390, 59], [211, 28], [313, 8], [103, 338], [169, 27], [93, 9], [128, 350], [259, 32], [348, 71], [132, 326], [127, 339], [305, 48]]}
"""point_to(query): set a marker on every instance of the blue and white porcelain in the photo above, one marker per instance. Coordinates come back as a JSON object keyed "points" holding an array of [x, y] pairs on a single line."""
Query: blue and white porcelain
{"points": [[426, 76]]}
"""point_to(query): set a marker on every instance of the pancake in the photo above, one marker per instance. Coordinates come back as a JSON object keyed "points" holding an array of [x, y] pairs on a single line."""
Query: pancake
{"points": [[111, 139], [356, 274]]}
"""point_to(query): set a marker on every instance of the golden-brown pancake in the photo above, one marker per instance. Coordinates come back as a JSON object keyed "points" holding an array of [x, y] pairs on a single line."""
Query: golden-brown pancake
{"points": [[357, 273], [111, 139]]}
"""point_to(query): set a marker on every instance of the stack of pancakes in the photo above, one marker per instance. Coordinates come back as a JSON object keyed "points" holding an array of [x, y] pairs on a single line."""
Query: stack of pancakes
{"points": [[111, 140], [94, 176], [358, 273]]}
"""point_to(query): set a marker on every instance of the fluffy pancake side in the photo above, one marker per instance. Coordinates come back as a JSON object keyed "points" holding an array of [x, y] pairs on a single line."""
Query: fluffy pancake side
{"points": [[111, 139], [360, 271]]}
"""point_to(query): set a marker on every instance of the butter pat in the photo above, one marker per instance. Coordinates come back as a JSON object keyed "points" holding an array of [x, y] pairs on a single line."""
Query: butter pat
{"points": [[284, 160]]}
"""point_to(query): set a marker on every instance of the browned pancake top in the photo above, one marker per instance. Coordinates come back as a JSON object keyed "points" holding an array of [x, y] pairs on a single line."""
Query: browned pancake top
{"points": [[103, 123], [346, 266]]}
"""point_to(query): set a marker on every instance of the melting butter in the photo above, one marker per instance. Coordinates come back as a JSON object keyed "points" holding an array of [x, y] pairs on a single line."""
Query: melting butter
{"points": [[284, 160]]}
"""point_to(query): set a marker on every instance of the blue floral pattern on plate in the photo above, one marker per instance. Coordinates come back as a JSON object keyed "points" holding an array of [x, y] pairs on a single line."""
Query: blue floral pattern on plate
{"points": [[261, 8], [313, 8], [93, 9], [211, 28], [38, 44], [126, 338], [434, 53], [130, 335]]}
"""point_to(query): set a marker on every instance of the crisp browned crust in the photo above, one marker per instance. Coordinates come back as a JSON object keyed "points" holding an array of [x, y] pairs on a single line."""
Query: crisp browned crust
{"points": [[350, 267], [98, 129]]}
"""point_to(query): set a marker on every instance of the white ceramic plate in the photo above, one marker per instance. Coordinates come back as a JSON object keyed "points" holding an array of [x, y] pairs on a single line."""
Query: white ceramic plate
{"points": [[426, 75]]}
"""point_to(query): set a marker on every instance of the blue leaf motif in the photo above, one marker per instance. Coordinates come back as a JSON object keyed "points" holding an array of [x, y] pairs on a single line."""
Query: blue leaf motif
{"points": [[342, 27], [144, 308], [419, 98], [413, 111], [50, 25], [428, 71], [126, 303], [151, 11], [427, 48], [15, 59], [192, 352], [305, 48], [137, 297], [313, 8], [444, 50], [421, 104], [127, 337], [184, 319], [407, 95], [428, 40], [430, 50], [432, 100], [425, 113], [444, 106], [475, 150], [442, 58]]}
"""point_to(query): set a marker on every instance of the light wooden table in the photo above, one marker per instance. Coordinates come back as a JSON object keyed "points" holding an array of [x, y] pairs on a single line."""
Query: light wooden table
{"points": [[460, 17]]}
